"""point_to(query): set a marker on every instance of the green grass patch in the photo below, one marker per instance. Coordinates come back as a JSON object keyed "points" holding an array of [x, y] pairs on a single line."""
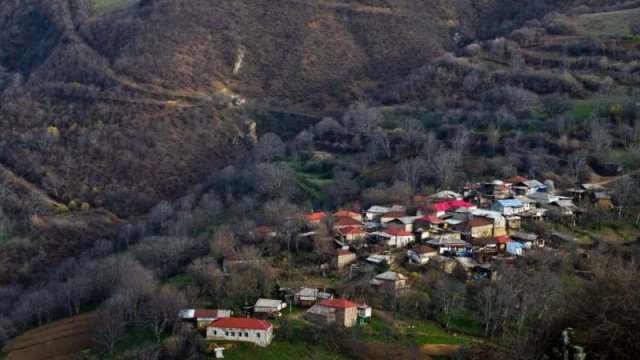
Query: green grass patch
{"points": [[463, 321], [430, 332], [280, 350], [582, 109], [179, 280], [105, 6]]}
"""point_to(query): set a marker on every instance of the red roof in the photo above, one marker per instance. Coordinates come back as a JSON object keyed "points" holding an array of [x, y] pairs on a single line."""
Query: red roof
{"points": [[352, 230], [397, 232], [241, 323], [206, 314], [503, 239], [431, 219], [338, 303], [394, 214], [424, 249], [444, 206], [516, 179], [346, 213], [316, 216], [264, 230], [347, 221]]}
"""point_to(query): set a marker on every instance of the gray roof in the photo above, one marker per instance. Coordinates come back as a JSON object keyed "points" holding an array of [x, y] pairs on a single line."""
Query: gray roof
{"points": [[525, 236], [272, 303], [466, 262], [321, 310], [447, 241], [390, 276], [378, 209], [308, 293], [533, 183]]}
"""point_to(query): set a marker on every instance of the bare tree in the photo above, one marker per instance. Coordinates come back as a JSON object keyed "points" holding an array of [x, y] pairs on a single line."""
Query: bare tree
{"points": [[577, 162], [161, 311], [269, 148], [625, 191], [449, 298], [412, 171], [361, 119], [275, 180], [412, 132], [599, 136], [78, 291], [159, 215], [486, 299], [555, 104], [111, 330]]}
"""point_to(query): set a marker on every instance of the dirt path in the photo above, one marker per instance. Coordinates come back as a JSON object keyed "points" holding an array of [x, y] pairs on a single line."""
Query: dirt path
{"points": [[442, 350]]}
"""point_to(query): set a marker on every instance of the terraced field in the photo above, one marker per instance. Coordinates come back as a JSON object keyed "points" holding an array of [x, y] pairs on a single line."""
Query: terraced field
{"points": [[614, 23], [60, 340]]}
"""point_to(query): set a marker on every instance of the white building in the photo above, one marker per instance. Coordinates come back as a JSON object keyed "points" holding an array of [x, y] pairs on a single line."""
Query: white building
{"points": [[256, 331]]}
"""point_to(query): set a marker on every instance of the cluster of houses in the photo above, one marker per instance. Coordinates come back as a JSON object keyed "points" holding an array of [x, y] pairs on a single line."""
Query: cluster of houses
{"points": [[471, 230]]}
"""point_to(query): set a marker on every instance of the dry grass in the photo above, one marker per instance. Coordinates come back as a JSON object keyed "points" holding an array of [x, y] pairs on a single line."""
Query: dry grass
{"points": [[63, 339], [614, 23]]}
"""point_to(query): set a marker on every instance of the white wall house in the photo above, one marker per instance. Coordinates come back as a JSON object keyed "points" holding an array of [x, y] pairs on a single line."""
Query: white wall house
{"points": [[255, 331]]}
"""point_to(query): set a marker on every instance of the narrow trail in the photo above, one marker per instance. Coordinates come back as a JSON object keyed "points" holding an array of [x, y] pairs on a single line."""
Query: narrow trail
{"points": [[28, 187]]}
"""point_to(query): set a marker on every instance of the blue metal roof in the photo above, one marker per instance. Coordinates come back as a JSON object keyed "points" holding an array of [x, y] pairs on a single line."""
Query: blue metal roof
{"points": [[510, 202]]}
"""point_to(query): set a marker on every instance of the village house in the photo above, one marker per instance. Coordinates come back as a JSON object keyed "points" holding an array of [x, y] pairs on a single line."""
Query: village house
{"points": [[499, 221], [528, 239], [351, 234], [340, 311], [602, 199], [343, 222], [484, 244], [268, 307], [440, 209], [374, 212], [316, 217], [509, 207], [449, 243], [340, 258], [391, 215], [307, 297], [266, 232], [201, 318], [390, 282], [405, 223], [394, 237], [528, 204], [528, 187], [478, 227], [443, 263], [495, 190], [349, 214], [255, 331], [427, 225], [561, 208], [421, 254], [445, 195], [509, 246]]}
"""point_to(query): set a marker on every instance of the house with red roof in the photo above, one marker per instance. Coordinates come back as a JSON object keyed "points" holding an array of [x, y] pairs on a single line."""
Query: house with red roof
{"points": [[259, 332], [440, 209], [340, 311], [265, 231], [343, 222], [394, 237], [427, 224], [347, 213], [316, 217], [352, 234]]}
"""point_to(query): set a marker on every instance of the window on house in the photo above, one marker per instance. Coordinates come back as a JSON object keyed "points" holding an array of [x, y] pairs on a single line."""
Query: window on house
{"points": [[215, 332], [233, 333], [226, 333], [246, 334], [258, 335]]}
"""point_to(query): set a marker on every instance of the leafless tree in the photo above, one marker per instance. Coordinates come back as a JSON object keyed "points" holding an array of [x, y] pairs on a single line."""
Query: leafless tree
{"points": [[577, 162], [378, 144], [269, 148], [412, 132], [275, 180], [625, 191], [111, 330], [599, 136], [486, 299], [161, 311], [342, 187], [223, 243], [555, 104], [449, 298], [412, 171], [159, 215], [361, 119], [78, 290]]}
